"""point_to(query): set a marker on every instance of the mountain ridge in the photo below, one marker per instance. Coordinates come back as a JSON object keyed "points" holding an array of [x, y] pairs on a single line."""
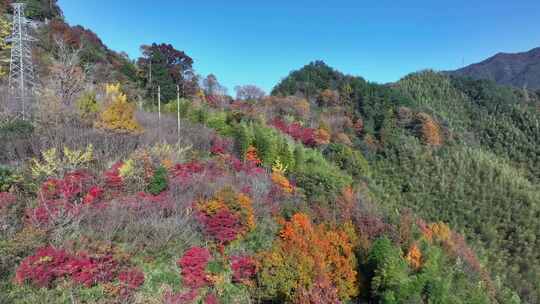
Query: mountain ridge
{"points": [[514, 69]]}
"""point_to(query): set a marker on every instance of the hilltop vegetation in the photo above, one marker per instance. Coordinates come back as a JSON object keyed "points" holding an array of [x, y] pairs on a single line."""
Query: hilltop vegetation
{"points": [[332, 189]]}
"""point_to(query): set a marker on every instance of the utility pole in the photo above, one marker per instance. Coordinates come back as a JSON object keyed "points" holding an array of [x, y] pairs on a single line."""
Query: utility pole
{"points": [[308, 82], [159, 103], [150, 85], [21, 69], [159, 111], [178, 110]]}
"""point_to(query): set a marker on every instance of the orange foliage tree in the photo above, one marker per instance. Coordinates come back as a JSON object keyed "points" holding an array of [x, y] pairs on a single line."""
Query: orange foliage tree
{"points": [[305, 254], [322, 137], [253, 156], [414, 257], [329, 98], [429, 130], [278, 177]]}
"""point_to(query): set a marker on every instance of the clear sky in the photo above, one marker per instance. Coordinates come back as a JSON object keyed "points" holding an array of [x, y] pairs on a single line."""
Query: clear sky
{"points": [[256, 42]]}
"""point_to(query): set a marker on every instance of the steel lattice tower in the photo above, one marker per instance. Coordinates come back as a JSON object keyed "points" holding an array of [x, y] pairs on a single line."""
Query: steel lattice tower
{"points": [[21, 72]]}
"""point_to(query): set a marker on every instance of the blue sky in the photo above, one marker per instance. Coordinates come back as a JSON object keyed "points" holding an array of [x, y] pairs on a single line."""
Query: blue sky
{"points": [[255, 42]]}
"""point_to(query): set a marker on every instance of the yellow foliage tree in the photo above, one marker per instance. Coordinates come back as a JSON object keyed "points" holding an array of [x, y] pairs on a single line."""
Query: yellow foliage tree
{"points": [[119, 114], [55, 164]]}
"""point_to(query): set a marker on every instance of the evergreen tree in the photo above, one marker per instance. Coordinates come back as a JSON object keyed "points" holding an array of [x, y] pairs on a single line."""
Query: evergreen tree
{"points": [[286, 154], [299, 158], [242, 139], [265, 142]]}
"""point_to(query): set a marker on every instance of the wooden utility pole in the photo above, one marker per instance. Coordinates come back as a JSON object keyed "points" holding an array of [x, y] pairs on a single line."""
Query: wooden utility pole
{"points": [[178, 110], [159, 111], [159, 102]]}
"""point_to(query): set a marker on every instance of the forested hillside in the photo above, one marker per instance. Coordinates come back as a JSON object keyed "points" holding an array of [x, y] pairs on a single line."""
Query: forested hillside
{"points": [[457, 150], [332, 189]]}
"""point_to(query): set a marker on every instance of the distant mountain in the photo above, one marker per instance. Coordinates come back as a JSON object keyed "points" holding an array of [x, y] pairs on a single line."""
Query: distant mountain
{"points": [[518, 70]]}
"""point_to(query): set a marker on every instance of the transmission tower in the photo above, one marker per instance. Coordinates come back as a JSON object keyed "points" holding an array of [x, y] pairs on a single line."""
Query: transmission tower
{"points": [[21, 71]]}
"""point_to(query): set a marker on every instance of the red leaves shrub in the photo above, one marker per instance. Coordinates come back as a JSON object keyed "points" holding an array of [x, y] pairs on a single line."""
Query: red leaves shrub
{"points": [[226, 216], [180, 298], [51, 188], [42, 268], [223, 226], [48, 211], [113, 180], [6, 199], [131, 278], [74, 184], [89, 271], [71, 187], [220, 146], [61, 197], [249, 167], [211, 299], [187, 170], [49, 264], [193, 265], [94, 195], [243, 267]]}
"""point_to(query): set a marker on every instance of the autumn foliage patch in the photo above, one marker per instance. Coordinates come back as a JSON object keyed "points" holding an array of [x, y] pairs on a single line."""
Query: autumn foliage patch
{"points": [[305, 253]]}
